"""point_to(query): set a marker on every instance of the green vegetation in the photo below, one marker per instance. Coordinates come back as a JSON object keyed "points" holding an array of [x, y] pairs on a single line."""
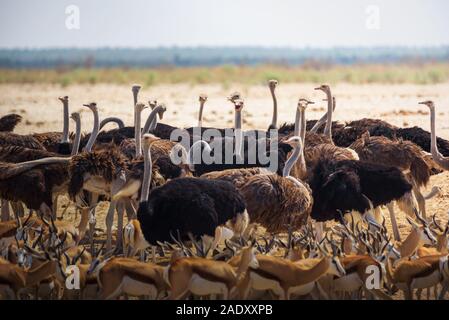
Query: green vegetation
{"points": [[428, 73]]}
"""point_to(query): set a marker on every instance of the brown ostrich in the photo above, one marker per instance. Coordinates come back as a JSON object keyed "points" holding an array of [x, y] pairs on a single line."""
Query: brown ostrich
{"points": [[50, 181], [404, 155], [274, 201], [440, 159]]}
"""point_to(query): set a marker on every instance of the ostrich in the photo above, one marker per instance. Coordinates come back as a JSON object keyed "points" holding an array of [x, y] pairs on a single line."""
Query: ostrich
{"points": [[9, 122], [276, 202], [51, 141], [57, 141], [441, 159], [404, 155], [115, 135], [42, 180], [341, 184], [33, 182], [345, 135], [187, 206]]}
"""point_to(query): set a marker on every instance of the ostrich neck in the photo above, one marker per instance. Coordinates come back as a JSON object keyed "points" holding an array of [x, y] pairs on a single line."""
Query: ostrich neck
{"points": [[146, 174], [297, 122], [116, 120], [200, 115], [192, 155], [137, 133], [18, 168], [150, 125], [76, 142], [328, 128], [274, 119], [94, 133], [135, 95], [238, 133], [320, 122], [302, 159], [65, 128], [291, 161], [153, 124], [436, 155]]}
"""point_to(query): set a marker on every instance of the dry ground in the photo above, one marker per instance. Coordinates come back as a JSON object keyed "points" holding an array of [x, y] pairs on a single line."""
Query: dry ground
{"points": [[396, 104]]}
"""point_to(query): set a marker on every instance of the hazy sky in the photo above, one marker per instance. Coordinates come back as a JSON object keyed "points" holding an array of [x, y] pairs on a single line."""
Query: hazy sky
{"points": [[296, 23]]}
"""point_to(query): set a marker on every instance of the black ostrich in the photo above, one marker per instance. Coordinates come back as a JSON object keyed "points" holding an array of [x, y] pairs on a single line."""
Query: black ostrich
{"points": [[187, 206], [351, 185]]}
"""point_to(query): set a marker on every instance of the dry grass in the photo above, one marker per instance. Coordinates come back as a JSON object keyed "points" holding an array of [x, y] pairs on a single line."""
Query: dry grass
{"points": [[428, 73]]}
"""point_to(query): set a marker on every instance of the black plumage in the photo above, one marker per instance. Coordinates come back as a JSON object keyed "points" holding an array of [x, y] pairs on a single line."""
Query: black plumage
{"points": [[281, 155], [346, 185], [188, 205]]}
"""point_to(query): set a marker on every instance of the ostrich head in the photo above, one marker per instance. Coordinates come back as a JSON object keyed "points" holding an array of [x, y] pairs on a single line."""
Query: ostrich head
{"points": [[428, 103], [64, 99], [303, 103], [162, 110], [203, 98], [92, 106], [152, 104], [272, 84], [234, 97], [238, 104], [294, 141], [325, 88], [75, 116], [140, 106], [136, 88]]}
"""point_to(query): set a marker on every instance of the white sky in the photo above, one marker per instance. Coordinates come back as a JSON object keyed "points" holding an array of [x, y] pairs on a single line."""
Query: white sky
{"points": [[295, 23]]}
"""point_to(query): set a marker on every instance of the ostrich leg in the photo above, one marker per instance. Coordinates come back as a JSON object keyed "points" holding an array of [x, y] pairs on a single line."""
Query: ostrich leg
{"points": [[130, 209], [394, 223], [319, 227], [18, 209], [6, 214], [109, 222], [421, 200], [120, 213]]}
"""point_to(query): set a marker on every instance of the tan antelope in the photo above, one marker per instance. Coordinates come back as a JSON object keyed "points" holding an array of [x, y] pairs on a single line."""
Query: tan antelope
{"points": [[118, 276], [133, 239], [421, 273], [286, 278], [204, 277], [13, 278]]}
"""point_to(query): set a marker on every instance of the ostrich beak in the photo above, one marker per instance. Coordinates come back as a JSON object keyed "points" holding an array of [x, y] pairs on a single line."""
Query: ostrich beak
{"points": [[422, 102], [318, 88], [86, 105]]}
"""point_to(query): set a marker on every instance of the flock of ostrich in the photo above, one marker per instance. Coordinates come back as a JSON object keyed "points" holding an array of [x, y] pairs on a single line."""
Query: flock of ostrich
{"points": [[311, 229]]}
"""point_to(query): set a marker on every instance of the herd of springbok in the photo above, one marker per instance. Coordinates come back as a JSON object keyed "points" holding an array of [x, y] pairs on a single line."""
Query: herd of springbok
{"points": [[207, 217]]}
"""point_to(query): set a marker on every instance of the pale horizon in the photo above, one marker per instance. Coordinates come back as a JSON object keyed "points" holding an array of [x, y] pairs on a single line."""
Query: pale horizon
{"points": [[210, 23]]}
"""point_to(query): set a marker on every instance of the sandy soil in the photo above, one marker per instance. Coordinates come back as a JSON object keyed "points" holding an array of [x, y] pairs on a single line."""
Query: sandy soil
{"points": [[396, 104]]}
